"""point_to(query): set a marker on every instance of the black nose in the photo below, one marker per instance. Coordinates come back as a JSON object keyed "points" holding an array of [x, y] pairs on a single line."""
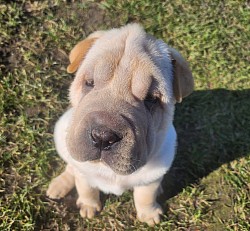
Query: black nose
{"points": [[104, 138]]}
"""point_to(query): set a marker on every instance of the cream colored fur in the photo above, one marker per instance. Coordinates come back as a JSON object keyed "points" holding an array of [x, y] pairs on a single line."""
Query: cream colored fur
{"points": [[126, 64]]}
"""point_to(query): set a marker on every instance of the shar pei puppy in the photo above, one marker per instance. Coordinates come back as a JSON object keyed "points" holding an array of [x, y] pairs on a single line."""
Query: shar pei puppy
{"points": [[118, 133]]}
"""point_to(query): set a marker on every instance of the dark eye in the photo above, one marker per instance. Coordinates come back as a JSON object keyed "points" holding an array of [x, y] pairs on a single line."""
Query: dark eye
{"points": [[90, 83], [151, 101]]}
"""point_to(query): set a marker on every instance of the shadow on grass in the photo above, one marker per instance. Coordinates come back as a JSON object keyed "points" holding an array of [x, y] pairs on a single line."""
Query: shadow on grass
{"points": [[213, 128]]}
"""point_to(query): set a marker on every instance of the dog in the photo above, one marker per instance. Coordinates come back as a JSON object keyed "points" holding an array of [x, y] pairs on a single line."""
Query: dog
{"points": [[118, 133]]}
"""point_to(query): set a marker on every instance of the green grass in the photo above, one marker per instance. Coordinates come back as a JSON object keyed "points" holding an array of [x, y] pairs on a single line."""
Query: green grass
{"points": [[208, 186]]}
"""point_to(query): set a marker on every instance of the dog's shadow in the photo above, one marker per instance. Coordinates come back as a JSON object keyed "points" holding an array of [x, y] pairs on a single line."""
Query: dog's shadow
{"points": [[213, 128]]}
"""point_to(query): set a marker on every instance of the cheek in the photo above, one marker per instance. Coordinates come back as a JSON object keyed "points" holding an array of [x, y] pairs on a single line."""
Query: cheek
{"points": [[158, 118], [158, 122], [151, 139], [75, 97], [161, 118], [77, 91]]}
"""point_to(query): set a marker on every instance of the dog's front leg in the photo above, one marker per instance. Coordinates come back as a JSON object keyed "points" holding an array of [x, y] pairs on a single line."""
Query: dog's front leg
{"points": [[88, 197], [148, 210], [61, 185]]}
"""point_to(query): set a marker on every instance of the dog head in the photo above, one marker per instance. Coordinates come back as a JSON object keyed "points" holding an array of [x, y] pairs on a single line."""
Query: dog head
{"points": [[123, 95]]}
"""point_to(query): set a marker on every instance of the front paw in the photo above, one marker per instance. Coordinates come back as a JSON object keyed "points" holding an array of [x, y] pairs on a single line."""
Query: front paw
{"points": [[150, 214], [88, 209], [59, 187]]}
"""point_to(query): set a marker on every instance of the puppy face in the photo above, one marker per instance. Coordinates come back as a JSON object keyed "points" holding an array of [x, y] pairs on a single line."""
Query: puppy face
{"points": [[122, 96]]}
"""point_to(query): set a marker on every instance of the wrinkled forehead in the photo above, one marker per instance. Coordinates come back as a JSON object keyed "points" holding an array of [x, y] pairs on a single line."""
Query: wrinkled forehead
{"points": [[123, 58]]}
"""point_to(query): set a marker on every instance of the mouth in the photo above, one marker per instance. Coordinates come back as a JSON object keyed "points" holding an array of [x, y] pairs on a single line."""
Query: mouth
{"points": [[118, 165]]}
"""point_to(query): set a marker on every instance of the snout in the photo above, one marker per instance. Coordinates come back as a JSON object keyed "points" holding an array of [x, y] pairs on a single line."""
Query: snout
{"points": [[97, 135], [109, 137], [105, 129]]}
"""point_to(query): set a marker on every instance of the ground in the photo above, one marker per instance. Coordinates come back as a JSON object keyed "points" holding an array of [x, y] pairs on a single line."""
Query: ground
{"points": [[208, 186]]}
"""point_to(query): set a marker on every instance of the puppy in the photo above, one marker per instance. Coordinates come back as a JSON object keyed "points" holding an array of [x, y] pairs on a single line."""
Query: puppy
{"points": [[118, 133]]}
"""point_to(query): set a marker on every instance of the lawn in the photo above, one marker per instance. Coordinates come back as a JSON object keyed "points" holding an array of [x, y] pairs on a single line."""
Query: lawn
{"points": [[208, 186]]}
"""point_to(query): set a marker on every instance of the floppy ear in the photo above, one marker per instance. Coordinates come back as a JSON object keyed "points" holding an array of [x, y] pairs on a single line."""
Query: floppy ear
{"points": [[80, 50], [78, 53], [183, 83]]}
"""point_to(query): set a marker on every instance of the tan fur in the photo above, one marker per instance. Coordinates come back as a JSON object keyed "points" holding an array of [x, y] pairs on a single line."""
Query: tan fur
{"points": [[88, 198], [148, 210], [78, 52], [135, 88], [62, 184], [183, 78]]}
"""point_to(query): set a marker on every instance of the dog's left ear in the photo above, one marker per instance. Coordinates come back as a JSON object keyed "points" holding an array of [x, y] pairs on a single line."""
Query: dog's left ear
{"points": [[183, 83]]}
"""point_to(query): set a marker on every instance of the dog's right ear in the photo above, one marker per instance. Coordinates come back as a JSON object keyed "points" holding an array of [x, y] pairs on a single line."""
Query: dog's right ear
{"points": [[80, 50], [78, 53]]}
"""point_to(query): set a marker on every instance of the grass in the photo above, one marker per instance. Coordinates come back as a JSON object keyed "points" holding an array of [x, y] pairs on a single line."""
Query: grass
{"points": [[208, 186]]}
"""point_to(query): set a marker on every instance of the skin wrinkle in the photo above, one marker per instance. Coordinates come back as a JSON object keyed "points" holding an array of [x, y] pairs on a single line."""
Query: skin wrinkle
{"points": [[133, 79], [130, 123], [103, 74], [124, 74], [130, 62], [114, 61], [149, 65], [143, 71], [124, 159]]}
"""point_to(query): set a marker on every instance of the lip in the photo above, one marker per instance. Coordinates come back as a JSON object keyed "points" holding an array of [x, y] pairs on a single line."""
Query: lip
{"points": [[97, 161]]}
